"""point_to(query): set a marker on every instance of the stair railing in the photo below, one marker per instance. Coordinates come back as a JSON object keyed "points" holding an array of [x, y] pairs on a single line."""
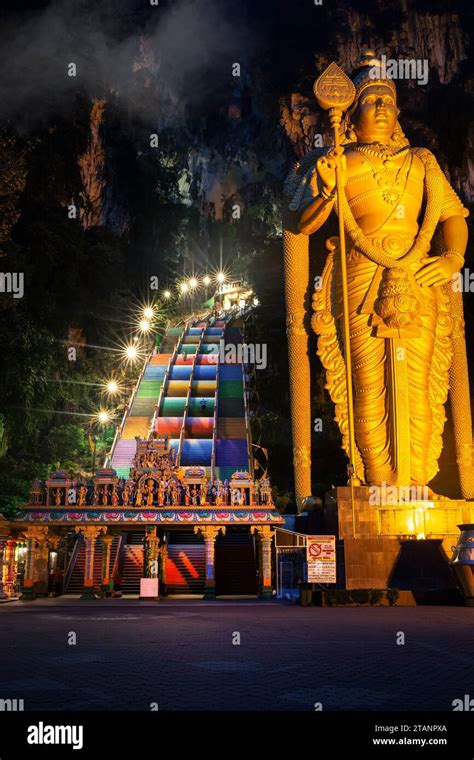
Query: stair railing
{"points": [[156, 412], [119, 429], [72, 562], [188, 396], [114, 571]]}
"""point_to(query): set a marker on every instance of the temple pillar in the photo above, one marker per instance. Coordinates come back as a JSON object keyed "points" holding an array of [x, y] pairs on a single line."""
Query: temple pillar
{"points": [[3, 544], [210, 532], [265, 534], [10, 562], [91, 534], [163, 564], [35, 537], [152, 555], [106, 542], [54, 542]]}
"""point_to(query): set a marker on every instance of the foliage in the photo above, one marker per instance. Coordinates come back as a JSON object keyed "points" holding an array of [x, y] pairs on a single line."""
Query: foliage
{"points": [[15, 481], [363, 596], [12, 182], [375, 596], [63, 443], [392, 596], [360, 595]]}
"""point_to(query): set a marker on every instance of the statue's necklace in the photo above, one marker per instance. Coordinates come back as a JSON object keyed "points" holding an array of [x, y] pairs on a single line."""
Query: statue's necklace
{"points": [[391, 180], [385, 152]]}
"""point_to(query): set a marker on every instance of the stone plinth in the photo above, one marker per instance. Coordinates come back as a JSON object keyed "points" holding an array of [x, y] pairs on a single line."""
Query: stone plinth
{"points": [[373, 544]]}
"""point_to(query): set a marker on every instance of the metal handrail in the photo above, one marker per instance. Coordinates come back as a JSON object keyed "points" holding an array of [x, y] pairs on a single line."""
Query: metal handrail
{"points": [[171, 361], [186, 405], [119, 429], [72, 562]]}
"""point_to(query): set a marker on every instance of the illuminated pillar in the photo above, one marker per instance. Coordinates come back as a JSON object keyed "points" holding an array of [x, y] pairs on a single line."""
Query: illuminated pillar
{"points": [[209, 532], [106, 542], [164, 560], [152, 554], [9, 559], [35, 537], [3, 544], [265, 534], [90, 537], [53, 548]]}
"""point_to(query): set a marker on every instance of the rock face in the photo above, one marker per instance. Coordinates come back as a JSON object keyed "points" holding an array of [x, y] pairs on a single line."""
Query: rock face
{"points": [[245, 132], [92, 169]]}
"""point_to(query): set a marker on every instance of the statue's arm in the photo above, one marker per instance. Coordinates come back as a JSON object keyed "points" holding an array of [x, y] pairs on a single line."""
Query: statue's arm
{"points": [[453, 224], [438, 270], [323, 185], [314, 215], [310, 192], [455, 235]]}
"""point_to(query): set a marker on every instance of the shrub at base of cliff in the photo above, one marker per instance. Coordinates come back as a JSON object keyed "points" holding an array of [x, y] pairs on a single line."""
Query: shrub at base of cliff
{"points": [[360, 597]]}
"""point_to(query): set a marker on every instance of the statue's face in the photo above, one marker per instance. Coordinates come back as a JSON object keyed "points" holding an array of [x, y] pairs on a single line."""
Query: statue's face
{"points": [[376, 114]]}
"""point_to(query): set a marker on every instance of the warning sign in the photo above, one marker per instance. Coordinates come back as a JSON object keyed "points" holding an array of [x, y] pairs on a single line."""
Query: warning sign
{"points": [[321, 559]]}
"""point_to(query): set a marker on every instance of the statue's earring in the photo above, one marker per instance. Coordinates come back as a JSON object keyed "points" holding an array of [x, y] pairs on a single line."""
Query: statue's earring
{"points": [[350, 134]]}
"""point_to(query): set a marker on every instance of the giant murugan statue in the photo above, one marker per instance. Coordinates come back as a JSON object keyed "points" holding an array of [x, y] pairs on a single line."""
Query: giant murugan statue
{"points": [[406, 236]]}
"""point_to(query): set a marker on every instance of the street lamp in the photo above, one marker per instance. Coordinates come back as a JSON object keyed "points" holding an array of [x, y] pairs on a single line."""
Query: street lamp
{"points": [[144, 325], [103, 417], [130, 354], [148, 312]]}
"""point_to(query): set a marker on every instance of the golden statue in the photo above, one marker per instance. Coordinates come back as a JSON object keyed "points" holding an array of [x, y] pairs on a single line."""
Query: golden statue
{"points": [[390, 324]]}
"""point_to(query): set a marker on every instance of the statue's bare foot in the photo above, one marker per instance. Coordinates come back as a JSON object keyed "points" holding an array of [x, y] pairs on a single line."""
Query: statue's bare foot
{"points": [[427, 493]]}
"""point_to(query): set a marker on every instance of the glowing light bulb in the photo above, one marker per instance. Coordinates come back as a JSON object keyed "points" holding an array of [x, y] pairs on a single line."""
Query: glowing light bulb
{"points": [[184, 287], [148, 312], [103, 417], [206, 280], [131, 353], [112, 387], [167, 294], [220, 277], [193, 283], [144, 325]]}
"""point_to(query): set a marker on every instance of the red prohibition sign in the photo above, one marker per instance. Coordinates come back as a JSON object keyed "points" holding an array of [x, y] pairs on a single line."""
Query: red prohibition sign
{"points": [[315, 550]]}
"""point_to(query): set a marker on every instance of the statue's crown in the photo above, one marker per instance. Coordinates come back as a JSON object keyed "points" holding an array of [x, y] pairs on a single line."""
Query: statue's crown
{"points": [[369, 71]]}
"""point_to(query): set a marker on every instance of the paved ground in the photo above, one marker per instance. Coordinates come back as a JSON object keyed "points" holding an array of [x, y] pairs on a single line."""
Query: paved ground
{"points": [[181, 655]]}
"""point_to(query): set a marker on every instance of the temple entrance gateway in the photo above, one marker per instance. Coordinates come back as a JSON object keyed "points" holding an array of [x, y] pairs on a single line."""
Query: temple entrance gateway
{"points": [[236, 563], [176, 500]]}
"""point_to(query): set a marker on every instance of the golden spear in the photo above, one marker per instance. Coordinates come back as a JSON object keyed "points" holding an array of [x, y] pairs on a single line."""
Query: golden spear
{"points": [[335, 92]]}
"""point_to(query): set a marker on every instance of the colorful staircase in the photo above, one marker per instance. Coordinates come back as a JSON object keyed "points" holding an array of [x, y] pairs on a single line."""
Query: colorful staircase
{"points": [[75, 583], [186, 393], [139, 420]]}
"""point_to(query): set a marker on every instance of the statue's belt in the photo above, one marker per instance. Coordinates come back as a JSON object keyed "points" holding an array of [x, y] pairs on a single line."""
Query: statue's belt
{"points": [[393, 299]]}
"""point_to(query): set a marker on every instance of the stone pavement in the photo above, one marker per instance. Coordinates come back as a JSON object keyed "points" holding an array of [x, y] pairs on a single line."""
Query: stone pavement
{"points": [[180, 654]]}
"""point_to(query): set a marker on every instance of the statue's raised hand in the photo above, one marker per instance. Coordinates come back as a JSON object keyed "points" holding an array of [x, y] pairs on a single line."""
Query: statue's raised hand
{"points": [[326, 169]]}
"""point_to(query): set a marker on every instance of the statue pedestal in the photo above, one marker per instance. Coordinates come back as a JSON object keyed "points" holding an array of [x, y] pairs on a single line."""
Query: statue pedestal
{"points": [[373, 553]]}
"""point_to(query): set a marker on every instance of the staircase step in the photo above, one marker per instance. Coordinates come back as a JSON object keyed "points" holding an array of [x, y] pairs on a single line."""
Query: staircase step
{"points": [[135, 426], [231, 427]]}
